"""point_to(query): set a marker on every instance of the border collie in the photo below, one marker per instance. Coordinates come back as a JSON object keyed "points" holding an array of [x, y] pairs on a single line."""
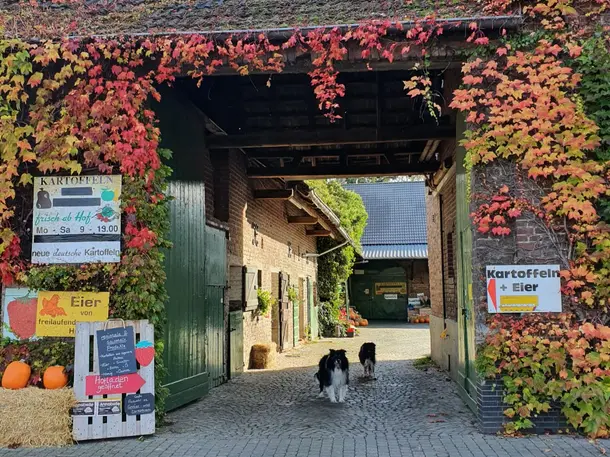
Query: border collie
{"points": [[333, 375], [367, 359]]}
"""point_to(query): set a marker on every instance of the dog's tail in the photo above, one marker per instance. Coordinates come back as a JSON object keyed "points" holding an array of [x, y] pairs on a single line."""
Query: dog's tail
{"points": [[316, 376]]}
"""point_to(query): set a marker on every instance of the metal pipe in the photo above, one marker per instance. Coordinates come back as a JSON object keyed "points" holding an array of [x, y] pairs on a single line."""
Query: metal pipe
{"points": [[461, 23], [311, 254]]}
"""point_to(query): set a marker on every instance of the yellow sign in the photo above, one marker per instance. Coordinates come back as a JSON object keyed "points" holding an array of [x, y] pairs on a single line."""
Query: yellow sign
{"points": [[382, 288], [58, 312], [518, 303]]}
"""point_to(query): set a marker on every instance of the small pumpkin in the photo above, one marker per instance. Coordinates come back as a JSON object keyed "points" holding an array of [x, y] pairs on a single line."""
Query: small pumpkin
{"points": [[55, 378], [16, 375]]}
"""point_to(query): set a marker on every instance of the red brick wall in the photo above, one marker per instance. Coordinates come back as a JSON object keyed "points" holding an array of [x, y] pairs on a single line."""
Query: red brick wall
{"points": [[442, 254], [268, 250]]}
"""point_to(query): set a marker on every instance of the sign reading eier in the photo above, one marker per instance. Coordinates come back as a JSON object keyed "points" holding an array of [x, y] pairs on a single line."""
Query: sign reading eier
{"points": [[77, 219], [58, 312], [523, 289]]}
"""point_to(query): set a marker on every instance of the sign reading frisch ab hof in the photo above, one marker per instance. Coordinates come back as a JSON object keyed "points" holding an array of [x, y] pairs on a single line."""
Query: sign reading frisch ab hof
{"points": [[523, 289], [77, 219]]}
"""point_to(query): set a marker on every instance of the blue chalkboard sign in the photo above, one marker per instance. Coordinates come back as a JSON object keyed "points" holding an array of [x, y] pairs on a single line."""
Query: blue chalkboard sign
{"points": [[139, 404], [116, 351]]}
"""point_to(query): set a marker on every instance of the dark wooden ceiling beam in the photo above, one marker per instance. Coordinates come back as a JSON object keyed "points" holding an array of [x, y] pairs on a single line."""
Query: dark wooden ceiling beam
{"points": [[302, 220], [273, 194], [331, 137], [275, 153], [339, 171], [317, 232]]}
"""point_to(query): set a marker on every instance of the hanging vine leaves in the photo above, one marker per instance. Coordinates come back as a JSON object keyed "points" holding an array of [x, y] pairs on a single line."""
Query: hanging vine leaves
{"points": [[73, 104]]}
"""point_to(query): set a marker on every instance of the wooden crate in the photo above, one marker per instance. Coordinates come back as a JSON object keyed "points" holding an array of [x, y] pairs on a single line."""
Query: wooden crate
{"points": [[112, 426]]}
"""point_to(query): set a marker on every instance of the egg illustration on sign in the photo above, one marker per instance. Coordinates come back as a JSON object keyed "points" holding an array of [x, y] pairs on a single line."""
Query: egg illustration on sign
{"points": [[145, 353]]}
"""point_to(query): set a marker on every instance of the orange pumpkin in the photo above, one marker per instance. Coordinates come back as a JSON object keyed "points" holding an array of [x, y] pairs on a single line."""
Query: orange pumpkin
{"points": [[55, 377], [16, 375], [364, 322]]}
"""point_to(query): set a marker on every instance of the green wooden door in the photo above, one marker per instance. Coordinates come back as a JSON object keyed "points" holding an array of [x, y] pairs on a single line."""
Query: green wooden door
{"points": [[236, 342], [216, 281], [185, 355], [466, 370], [295, 321], [313, 310]]}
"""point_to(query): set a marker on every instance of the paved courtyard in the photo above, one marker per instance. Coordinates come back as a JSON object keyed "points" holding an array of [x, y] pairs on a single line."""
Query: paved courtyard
{"points": [[405, 412]]}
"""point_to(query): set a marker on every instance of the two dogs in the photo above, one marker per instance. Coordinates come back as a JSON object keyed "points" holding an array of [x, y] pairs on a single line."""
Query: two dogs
{"points": [[333, 371]]}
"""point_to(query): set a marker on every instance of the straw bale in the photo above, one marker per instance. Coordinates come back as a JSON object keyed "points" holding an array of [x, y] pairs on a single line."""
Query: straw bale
{"points": [[34, 417], [262, 356]]}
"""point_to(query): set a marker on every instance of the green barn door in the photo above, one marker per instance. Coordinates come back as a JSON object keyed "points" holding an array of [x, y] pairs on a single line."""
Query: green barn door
{"points": [[313, 310], [236, 342], [466, 370], [216, 281], [295, 321], [185, 355]]}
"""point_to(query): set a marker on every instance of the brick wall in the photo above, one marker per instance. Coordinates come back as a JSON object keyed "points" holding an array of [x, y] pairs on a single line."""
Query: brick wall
{"points": [[419, 281], [260, 237], [442, 254], [528, 243], [449, 245], [442, 261]]}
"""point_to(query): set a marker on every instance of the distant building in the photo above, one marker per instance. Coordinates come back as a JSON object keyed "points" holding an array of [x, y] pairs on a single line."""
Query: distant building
{"points": [[394, 248]]}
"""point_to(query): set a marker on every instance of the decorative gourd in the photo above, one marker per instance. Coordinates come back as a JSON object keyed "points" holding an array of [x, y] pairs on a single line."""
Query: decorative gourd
{"points": [[16, 375], [55, 377]]}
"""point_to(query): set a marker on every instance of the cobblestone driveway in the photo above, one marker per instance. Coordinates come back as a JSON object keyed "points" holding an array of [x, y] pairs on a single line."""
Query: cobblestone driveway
{"points": [[406, 412]]}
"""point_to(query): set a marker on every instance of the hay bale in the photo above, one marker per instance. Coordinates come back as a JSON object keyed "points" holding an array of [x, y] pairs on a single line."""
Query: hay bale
{"points": [[34, 417], [262, 356]]}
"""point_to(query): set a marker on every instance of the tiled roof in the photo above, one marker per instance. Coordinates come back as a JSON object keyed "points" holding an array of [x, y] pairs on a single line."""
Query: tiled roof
{"points": [[144, 16], [395, 251], [397, 219]]}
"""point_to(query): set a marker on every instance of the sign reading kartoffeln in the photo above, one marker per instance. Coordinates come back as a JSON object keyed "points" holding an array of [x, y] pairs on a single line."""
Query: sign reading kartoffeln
{"points": [[523, 289], [77, 219]]}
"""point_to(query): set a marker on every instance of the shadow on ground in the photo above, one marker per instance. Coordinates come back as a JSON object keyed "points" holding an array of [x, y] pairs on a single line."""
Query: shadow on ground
{"points": [[284, 404]]}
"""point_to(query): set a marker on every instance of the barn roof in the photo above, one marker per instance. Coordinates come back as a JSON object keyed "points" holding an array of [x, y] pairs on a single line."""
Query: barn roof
{"points": [[158, 16], [396, 227]]}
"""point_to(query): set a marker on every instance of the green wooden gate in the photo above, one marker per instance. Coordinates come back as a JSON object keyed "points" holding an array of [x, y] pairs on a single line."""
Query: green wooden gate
{"points": [[466, 370], [215, 284], [295, 321], [185, 355], [236, 342], [313, 310]]}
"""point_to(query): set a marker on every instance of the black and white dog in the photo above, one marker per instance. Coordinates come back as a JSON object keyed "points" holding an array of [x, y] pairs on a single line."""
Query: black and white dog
{"points": [[367, 359], [333, 375]]}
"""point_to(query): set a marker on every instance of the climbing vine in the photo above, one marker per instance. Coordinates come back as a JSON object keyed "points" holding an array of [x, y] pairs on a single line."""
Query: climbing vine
{"points": [[82, 105]]}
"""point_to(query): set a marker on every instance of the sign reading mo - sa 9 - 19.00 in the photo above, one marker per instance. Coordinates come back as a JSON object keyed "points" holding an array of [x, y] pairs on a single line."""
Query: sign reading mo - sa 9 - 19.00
{"points": [[523, 289], [77, 219]]}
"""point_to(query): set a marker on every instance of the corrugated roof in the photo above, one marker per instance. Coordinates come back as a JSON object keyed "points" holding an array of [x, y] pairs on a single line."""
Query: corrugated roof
{"points": [[147, 16], [397, 219], [395, 251]]}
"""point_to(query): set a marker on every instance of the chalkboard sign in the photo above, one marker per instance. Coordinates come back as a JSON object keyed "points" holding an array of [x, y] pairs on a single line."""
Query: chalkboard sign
{"points": [[138, 404], [116, 351]]}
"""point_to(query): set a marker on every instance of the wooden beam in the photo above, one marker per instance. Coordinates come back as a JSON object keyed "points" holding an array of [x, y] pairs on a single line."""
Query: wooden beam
{"points": [[275, 153], [273, 194], [317, 232], [330, 137], [338, 171], [303, 220]]}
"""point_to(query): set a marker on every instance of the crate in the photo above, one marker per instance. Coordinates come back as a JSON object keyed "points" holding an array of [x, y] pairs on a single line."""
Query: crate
{"points": [[95, 427]]}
